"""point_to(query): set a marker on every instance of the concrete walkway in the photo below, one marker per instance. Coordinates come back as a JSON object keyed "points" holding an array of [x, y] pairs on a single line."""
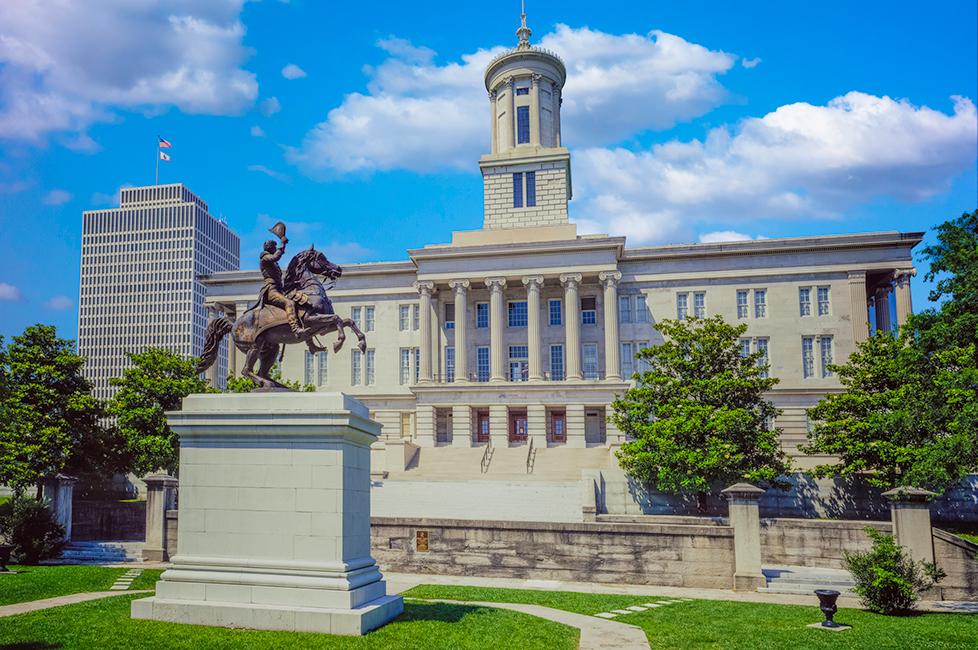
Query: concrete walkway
{"points": [[596, 633], [58, 601]]}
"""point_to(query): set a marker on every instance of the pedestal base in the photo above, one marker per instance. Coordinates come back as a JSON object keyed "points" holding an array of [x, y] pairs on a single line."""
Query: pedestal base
{"points": [[351, 622]]}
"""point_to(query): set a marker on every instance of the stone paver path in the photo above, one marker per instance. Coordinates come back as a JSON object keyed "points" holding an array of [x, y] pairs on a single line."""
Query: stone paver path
{"points": [[596, 633], [58, 601], [615, 613], [124, 581]]}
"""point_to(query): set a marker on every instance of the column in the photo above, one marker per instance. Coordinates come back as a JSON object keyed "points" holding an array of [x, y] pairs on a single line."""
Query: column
{"points": [[858, 306], [536, 424], [904, 305], [612, 362], [572, 327], [535, 110], [746, 521], [512, 111], [461, 424], [575, 426], [495, 119], [499, 425], [461, 324], [910, 513], [533, 283], [59, 492], [425, 289], [160, 490], [881, 299], [497, 356]]}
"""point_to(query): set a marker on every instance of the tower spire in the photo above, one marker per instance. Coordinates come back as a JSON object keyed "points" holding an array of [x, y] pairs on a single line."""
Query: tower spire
{"points": [[523, 32]]}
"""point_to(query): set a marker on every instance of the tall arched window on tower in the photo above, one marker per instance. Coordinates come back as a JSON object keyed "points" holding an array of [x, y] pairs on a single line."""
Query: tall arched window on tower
{"points": [[522, 124]]}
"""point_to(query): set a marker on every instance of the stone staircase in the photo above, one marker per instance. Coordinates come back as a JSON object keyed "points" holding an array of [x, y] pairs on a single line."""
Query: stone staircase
{"points": [[95, 552], [805, 580], [507, 463]]}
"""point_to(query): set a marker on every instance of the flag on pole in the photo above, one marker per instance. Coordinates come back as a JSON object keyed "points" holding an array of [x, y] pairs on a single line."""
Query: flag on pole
{"points": [[164, 144], [164, 156]]}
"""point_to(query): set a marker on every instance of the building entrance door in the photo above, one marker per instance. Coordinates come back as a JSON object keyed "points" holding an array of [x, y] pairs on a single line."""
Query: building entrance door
{"points": [[558, 426], [517, 426], [482, 427], [592, 427]]}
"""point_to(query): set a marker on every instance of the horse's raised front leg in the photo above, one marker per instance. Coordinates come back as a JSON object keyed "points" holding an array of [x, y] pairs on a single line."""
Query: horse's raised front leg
{"points": [[348, 322]]}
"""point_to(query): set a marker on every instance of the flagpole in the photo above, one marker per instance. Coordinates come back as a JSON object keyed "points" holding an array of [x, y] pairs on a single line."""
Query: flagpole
{"points": [[157, 160]]}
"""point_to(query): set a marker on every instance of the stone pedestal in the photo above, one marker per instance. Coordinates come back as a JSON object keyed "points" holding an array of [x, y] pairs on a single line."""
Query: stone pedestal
{"points": [[59, 492], [910, 513], [160, 497], [274, 517], [746, 521]]}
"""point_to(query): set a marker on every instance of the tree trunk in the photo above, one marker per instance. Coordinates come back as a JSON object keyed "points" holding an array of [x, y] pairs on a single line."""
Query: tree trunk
{"points": [[701, 502]]}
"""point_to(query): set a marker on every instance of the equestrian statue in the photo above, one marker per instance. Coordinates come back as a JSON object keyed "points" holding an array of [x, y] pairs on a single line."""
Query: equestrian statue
{"points": [[290, 309]]}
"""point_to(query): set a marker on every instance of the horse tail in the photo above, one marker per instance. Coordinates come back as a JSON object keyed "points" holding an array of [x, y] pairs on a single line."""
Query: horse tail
{"points": [[217, 329]]}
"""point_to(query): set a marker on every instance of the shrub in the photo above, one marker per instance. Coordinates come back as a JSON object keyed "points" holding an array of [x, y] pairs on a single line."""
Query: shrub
{"points": [[888, 581], [32, 530]]}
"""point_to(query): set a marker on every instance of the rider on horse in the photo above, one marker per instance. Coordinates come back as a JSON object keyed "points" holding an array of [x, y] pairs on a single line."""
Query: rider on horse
{"points": [[274, 291]]}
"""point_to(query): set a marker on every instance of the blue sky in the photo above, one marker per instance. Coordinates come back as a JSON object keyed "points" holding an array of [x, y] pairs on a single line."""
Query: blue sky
{"points": [[360, 124]]}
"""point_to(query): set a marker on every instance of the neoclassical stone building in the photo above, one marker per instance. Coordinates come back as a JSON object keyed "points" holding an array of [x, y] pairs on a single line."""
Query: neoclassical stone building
{"points": [[526, 330]]}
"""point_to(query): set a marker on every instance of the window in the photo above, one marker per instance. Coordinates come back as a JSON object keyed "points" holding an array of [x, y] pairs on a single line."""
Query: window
{"points": [[825, 354], [556, 313], [522, 124], [482, 315], [627, 360], [449, 315], [518, 364], [699, 304], [823, 301], [641, 364], [405, 366], [556, 362], [641, 309], [356, 314], [517, 313], [760, 303], [355, 365], [321, 379], [682, 306], [760, 345], [531, 189], [518, 190], [744, 347], [449, 364], [807, 356], [482, 363], [307, 369], [403, 317], [371, 374], [805, 301], [369, 311], [522, 91], [624, 309], [742, 308], [589, 360], [589, 315], [417, 364]]}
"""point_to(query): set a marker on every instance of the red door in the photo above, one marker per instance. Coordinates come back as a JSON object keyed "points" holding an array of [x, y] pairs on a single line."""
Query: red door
{"points": [[517, 426], [558, 427], [482, 427]]}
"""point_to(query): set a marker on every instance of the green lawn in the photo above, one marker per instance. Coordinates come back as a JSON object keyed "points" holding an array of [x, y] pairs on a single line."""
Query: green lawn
{"points": [[740, 625], [37, 582], [428, 626]]}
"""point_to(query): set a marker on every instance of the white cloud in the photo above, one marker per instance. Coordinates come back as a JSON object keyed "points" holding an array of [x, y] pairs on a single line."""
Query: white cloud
{"points": [[420, 115], [262, 169], [270, 106], [800, 161], [751, 63], [257, 131], [9, 292], [109, 198], [302, 234], [292, 71], [718, 236], [56, 197], [59, 303], [65, 65], [82, 143]]}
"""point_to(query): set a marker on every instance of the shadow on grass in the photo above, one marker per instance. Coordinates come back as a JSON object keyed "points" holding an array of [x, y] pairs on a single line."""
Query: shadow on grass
{"points": [[440, 612]]}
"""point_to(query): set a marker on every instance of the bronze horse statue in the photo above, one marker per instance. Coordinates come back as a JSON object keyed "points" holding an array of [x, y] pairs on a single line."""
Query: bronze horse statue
{"points": [[262, 331]]}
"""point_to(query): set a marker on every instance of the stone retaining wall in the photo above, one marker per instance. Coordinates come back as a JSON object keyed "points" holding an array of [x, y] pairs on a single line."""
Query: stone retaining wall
{"points": [[108, 520], [959, 559], [673, 555], [814, 542]]}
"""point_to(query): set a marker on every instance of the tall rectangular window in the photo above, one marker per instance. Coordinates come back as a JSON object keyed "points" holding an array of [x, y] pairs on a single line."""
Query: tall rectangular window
{"points": [[825, 352], [518, 190], [449, 315], [624, 309], [531, 189], [369, 313], [760, 345], [556, 362], [805, 301], [742, 307], [355, 367], [760, 303], [356, 314], [522, 124], [589, 314], [641, 309], [403, 317], [322, 377], [449, 364], [807, 356], [482, 315], [517, 313], [555, 312], [482, 363], [589, 360], [518, 363], [744, 347], [699, 304], [307, 369], [371, 367], [682, 306], [627, 360], [823, 301], [405, 366], [415, 317]]}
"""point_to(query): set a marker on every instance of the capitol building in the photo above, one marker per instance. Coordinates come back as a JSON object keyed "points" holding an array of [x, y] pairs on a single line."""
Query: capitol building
{"points": [[522, 333]]}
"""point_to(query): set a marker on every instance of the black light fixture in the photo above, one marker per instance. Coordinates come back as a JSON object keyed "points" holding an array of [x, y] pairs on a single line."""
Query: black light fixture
{"points": [[826, 603]]}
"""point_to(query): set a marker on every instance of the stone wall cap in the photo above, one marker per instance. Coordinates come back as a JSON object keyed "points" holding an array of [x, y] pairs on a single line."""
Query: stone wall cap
{"points": [[909, 493], [742, 490]]}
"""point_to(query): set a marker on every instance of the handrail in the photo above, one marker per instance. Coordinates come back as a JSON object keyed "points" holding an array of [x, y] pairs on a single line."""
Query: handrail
{"points": [[486, 456], [529, 457]]}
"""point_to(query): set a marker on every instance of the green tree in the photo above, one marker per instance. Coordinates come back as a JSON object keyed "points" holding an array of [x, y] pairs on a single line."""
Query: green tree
{"points": [[156, 382], [49, 420], [245, 385], [909, 411], [697, 417]]}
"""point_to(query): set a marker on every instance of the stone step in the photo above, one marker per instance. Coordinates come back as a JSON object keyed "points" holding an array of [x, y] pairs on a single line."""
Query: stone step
{"points": [[805, 580], [799, 590], [96, 552]]}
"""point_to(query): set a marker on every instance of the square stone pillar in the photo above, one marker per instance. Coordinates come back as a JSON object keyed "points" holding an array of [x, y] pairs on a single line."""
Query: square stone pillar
{"points": [[424, 433], [575, 426], [746, 521], [274, 517], [499, 425], [59, 492], [461, 424], [910, 513], [536, 424], [161, 490]]}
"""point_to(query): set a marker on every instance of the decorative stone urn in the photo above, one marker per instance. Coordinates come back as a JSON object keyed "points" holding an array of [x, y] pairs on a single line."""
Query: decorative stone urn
{"points": [[826, 603]]}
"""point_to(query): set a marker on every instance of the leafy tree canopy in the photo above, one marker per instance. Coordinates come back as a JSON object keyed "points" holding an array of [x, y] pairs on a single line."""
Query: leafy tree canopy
{"points": [[698, 418], [245, 385]]}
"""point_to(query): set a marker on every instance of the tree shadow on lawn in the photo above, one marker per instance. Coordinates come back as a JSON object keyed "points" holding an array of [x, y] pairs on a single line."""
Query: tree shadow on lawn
{"points": [[439, 612]]}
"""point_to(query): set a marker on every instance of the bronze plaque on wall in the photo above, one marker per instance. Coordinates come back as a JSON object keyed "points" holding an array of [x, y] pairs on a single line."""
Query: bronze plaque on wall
{"points": [[421, 540]]}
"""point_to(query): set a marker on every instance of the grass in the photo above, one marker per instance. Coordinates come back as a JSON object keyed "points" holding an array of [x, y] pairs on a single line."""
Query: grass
{"points": [[731, 625], [37, 582], [966, 531], [106, 624]]}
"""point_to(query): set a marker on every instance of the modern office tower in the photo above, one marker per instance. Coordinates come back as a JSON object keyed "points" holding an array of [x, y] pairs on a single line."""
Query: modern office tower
{"points": [[140, 266]]}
